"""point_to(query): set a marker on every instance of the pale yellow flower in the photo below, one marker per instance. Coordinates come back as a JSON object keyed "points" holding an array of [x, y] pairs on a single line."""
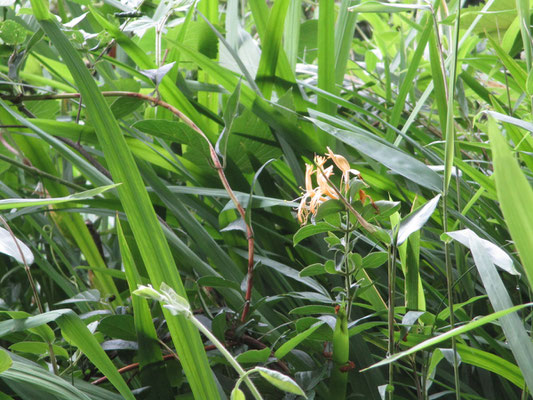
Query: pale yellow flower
{"points": [[313, 197], [343, 164], [303, 210], [322, 177]]}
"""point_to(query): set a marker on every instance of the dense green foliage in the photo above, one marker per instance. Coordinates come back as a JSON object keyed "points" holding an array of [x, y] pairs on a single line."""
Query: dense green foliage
{"points": [[325, 196]]}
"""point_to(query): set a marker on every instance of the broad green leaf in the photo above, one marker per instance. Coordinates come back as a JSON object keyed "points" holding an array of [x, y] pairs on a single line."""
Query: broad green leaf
{"points": [[511, 120], [237, 394], [309, 230], [497, 255], [40, 381], [79, 335], [513, 327], [271, 39], [118, 327], [12, 33], [375, 259], [491, 362], [516, 70], [254, 356], [313, 269], [5, 361], [329, 207], [43, 331], [91, 295], [39, 348]]}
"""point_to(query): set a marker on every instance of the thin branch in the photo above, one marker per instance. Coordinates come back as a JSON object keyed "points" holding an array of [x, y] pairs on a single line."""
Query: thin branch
{"points": [[214, 157], [93, 161]]}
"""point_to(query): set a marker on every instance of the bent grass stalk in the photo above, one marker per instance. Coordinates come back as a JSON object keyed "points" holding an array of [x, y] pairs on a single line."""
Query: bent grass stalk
{"points": [[214, 158], [177, 305]]}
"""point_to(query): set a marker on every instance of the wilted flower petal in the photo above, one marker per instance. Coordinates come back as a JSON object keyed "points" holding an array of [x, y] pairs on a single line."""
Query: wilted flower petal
{"points": [[343, 164]]}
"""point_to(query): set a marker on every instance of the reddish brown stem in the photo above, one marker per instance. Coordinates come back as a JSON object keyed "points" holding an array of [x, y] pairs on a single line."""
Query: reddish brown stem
{"points": [[134, 366], [214, 157]]}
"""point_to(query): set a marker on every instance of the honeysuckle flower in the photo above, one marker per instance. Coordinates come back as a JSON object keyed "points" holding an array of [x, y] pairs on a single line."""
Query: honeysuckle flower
{"points": [[303, 211], [343, 164], [312, 197], [322, 177]]}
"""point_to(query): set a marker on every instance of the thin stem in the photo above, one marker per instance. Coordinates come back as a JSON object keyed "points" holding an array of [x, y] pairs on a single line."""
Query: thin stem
{"points": [[391, 264], [348, 273], [227, 355], [87, 155], [448, 162], [449, 285]]}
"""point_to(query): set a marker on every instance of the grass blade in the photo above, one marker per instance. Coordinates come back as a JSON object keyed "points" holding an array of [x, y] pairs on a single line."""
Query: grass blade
{"points": [[266, 74], [141, 215], [448, 335], [515, 196], [326, 56], [512, 326]]}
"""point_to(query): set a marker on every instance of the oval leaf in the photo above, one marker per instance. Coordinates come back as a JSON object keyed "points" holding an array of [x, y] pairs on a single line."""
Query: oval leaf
{"points": [[254, 356], [309, 230], [281, 381]]}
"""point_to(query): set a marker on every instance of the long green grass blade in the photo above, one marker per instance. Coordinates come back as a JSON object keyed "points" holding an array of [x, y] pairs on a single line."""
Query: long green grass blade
{"points": [[515, 196], [408, 81], [134, 198], [512, 326], [291, 35], [343, 38], [452, 333], [22, 203], [266, 74], [326, 55]]}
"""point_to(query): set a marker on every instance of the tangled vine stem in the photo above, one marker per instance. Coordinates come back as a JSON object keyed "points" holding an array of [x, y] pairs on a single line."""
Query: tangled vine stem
{"points": [[214, 157]]}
